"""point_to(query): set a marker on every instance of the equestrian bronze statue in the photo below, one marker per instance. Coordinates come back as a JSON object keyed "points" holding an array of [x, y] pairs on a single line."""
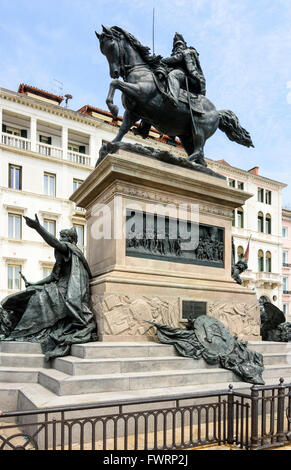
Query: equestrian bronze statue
{"points": [[168, 94]]}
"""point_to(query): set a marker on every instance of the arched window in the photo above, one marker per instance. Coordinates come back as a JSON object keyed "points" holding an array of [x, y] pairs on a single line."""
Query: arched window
{"points": [[268, 224], [240, 253], [268, 262], [260, 222], [261, 261], [240, 218]]}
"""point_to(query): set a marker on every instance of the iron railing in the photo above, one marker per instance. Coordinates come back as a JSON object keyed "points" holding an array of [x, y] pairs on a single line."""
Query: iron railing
{"points": [[259, 420]]}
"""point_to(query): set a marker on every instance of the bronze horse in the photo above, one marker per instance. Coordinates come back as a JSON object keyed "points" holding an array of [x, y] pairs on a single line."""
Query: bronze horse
{"points": [[143, 98]]}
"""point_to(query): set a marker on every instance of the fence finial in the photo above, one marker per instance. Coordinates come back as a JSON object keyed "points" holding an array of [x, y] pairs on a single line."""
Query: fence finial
{"points": [[230, 388], [281, 381]]}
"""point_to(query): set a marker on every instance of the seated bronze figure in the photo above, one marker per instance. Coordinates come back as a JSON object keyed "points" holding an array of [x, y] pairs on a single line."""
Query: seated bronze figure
{"points": [[54, 312]]}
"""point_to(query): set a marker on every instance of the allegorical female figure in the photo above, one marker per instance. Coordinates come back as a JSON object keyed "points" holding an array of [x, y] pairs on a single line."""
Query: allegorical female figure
{"points": [[54, 312]]}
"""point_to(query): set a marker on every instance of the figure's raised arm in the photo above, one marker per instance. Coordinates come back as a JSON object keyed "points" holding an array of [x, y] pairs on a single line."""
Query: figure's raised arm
{"points": [[48, 237]]}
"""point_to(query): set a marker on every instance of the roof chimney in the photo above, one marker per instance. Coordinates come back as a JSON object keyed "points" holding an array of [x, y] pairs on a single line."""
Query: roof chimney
{"points": [[255, 170]]}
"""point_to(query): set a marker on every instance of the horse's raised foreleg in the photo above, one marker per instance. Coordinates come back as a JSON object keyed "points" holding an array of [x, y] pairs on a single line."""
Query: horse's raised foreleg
{"points": [[129, 89]]}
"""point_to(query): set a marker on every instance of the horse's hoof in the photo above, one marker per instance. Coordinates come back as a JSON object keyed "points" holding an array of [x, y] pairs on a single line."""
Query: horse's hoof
{"points": [[198, 159]]}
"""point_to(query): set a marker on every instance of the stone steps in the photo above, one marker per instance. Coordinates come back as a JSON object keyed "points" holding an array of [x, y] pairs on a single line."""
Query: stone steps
{"points": [[99, 369], [121, 350], [74, 366], [20, 348], [62, 384], [269, 347], [23, 360], [19, 374]]}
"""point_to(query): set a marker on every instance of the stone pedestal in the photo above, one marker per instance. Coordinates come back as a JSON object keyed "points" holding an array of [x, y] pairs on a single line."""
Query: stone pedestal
{"points": [[128, 290]]}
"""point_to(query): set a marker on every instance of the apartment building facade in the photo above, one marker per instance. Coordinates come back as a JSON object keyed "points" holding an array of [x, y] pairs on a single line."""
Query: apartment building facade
{"points": [[286, 262], [258, 222]]}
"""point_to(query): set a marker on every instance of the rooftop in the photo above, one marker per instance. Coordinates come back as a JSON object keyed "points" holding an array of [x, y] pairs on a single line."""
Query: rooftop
{"points": [[42, 94]]}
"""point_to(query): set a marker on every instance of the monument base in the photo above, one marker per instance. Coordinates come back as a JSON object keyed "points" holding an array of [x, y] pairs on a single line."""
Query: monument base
{"points": [[140, 280]]}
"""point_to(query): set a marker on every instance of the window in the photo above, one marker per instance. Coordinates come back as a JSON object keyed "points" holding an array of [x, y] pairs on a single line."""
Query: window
{"points": [[77, 184], [285, 258], [260, 195], [14, 226], [49, 184], [240, 253], [284, 232], [240, 185], [14, 279], [285, 309], [45, 139], [15, 177], [260, 222], [268, 262], [261, 261], [269, 197], [13, 131], [80, 232], [233, 218], [50, 226], [285, 284], [240, 218], [77, 148], [231, 183], [268, 224]]}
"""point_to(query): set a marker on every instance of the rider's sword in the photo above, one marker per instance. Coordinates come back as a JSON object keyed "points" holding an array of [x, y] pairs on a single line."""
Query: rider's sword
{"points": [[189, 101]]}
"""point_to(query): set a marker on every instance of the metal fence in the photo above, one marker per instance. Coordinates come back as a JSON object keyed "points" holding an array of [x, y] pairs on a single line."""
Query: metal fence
{"points": [[259, 420]]}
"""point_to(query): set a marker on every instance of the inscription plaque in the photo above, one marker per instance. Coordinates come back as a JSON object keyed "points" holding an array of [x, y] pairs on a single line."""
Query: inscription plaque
{"points": [[192, 310], [179, 241]]}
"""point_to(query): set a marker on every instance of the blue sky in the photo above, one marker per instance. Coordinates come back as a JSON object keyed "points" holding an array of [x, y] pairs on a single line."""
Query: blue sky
{"points": [[245, 52]]}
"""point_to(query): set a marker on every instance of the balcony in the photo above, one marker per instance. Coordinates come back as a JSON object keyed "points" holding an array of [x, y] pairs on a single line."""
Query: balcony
{"points": [[49, 151], [271, 279], [286, 265], [286, 292], [45, 149], [248, 275], [15, 141], [79, 158], [45, 138]]}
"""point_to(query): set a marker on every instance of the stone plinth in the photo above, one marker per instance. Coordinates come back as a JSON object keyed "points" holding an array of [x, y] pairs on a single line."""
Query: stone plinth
{"points": [[127, 291]]}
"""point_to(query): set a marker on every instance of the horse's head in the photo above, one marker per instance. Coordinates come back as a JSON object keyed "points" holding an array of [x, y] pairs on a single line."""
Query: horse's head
{"points": [[109, 46]]}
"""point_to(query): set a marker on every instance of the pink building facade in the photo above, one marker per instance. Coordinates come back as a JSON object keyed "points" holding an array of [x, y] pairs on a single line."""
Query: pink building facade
{"points": [[286, 262]]}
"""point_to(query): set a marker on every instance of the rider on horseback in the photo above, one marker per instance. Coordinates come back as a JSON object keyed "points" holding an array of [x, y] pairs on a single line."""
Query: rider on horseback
{"points": [[182, 65], [184, 62]]}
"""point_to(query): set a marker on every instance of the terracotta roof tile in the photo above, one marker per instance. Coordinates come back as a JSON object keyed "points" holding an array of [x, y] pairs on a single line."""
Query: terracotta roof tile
{"points": [[25, 89]]}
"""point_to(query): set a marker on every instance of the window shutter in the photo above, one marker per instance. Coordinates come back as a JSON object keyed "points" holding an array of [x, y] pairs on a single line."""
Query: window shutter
{"points": [[24, 133], [4, 127], [49, 141], [82, 149]]}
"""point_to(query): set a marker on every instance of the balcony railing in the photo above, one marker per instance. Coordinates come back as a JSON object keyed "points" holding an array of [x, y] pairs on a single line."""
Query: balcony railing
{"points": [[15, 141], [269, 277], [287, 292], [79, 158], [49, 151], [44, 149], [79, 209], [286, 265]]}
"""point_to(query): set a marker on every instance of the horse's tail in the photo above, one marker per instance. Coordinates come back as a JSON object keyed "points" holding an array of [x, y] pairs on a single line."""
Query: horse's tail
{"points": [[230, 124]]}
